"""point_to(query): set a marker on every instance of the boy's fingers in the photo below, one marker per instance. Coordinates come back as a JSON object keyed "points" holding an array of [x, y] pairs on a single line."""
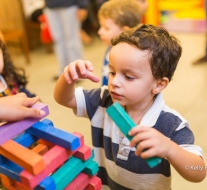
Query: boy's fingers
{"points": [[89, 65], [92, 77]]}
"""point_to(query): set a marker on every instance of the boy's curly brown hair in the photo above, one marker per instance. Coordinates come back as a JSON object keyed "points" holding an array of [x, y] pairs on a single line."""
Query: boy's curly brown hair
{"points": [[164, 49]]}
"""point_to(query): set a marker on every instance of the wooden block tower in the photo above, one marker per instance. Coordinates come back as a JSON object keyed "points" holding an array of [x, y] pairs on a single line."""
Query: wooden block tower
{"points": [[36, 155]]}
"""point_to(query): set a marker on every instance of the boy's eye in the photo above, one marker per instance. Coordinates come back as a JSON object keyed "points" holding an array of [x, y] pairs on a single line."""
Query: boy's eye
{"points": [[111, 73], [129, 77]]}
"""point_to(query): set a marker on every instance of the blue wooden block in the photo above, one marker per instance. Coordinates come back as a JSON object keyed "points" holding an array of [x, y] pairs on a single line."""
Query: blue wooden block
{"points": [[69, 170], [125, 123], [26, 139], [46, 184], [47, 122], [55, 136], [12, 170], [91, 168]]}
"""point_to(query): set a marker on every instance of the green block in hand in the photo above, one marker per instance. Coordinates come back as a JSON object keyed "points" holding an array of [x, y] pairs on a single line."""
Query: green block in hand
{"points": [[125, 124]]}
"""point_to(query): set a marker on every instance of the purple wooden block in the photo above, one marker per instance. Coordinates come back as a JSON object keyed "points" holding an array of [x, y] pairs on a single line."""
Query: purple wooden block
{"points": [[10, 129]]}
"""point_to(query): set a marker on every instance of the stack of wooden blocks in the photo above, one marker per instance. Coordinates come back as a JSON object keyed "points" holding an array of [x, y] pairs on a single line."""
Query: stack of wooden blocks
{"points": [[36, 155]]}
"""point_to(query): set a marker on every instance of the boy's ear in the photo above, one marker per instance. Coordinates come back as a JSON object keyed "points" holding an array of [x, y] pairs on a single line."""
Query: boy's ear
{"points": [[124, 28], [161, 84]]}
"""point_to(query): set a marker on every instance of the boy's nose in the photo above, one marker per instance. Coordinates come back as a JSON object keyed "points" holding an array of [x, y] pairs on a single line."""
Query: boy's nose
{"points": [[115, 81]]}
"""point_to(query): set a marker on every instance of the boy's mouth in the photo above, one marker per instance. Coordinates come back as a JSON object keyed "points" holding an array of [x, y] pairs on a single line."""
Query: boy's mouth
{"points": [[114, 94]]}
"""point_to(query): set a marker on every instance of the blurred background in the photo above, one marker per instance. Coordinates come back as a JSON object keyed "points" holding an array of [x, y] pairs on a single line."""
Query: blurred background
{"points": [[32, 50]]}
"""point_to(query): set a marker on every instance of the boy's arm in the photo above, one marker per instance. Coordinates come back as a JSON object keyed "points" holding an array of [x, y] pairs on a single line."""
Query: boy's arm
{"points": [[159, 145], [189, 165], [65, 86], [64, 92]]}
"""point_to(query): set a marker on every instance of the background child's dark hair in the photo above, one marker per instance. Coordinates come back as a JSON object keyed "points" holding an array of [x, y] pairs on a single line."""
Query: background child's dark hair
{"points": [[164, 49], [11, 74]]}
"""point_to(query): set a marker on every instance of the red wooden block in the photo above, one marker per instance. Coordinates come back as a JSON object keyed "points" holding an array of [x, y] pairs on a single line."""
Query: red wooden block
{"points": [[84, 153], [94, 184], [80, 182]]}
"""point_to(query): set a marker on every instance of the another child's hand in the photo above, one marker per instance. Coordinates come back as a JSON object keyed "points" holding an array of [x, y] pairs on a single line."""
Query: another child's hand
{"points": [[79, 69], [17, 107], [150, 142]]}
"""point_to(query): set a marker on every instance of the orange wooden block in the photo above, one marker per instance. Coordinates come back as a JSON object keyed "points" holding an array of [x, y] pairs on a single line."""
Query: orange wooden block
{"points": [[22, 156], [40, 149], [6, 180], [17, 186], [48, 144]]}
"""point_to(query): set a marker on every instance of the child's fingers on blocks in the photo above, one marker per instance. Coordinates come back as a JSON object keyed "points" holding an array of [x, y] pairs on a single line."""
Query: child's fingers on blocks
{"points": [[138, 129], [149, 153], [30, 112], [143, 146]]}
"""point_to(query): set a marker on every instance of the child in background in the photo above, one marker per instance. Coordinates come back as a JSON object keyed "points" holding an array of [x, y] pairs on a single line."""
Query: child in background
{"points": [[12, 79], [143, 5], [116, 16], [142, 61]]}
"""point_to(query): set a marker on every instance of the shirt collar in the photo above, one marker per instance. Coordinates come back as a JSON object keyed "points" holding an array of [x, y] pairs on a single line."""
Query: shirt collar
{"points": [[151, 116]]}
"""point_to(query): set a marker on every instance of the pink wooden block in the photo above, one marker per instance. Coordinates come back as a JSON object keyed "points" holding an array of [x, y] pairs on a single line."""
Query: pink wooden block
{"points": [[84, 153], [94, 184], [10, 129], [80, 182], [53, 159]]}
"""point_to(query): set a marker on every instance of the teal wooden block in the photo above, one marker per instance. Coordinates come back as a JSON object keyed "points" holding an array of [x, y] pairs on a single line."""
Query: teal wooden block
{"points": [[125, 124], [68, 171], [91, 168]]}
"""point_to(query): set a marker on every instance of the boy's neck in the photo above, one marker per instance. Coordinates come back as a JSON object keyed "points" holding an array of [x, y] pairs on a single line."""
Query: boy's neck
{"points": [[137, 114]]}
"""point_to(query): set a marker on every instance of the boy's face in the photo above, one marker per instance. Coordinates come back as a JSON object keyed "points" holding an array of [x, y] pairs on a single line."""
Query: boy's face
{"points": [[131, 82], [108, 29], [1, 61]]}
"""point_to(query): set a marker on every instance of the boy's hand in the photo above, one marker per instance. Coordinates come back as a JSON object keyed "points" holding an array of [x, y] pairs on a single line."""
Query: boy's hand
{"points": [[150, 142], [17, 107], [79, 69]]}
